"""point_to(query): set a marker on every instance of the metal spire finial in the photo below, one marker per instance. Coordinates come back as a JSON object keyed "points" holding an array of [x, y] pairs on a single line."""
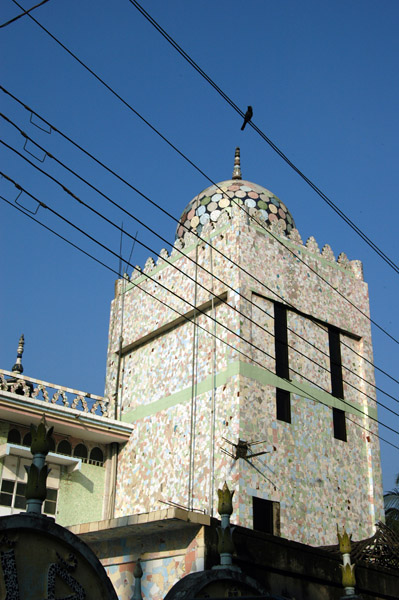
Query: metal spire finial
{"points": [[18, 368], [237, 165]]}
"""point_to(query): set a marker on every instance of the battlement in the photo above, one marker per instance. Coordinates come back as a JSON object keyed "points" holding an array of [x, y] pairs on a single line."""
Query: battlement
{"points": [[293, 241]]}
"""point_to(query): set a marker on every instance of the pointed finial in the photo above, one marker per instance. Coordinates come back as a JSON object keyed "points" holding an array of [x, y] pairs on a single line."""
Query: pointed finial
{"points": [[344, 541], [225, 532], [18, 368], [237, 165], [225, 505]]}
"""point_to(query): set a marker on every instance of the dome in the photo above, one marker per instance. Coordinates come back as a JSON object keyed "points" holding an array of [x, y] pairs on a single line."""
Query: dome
{"points": [[209, 204]]}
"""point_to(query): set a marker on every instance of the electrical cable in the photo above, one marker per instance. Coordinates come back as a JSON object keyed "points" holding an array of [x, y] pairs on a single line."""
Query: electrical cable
{"points": [[23, 14], [324, 197], [109, 88], [100, 262], [188, 319], [46, 152], [166, 288], [220, 280], [174, 266], [52, 127]]}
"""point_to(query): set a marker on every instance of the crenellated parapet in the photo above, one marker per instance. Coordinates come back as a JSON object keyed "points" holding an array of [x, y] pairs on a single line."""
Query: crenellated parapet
{"points": [[186, 242]]}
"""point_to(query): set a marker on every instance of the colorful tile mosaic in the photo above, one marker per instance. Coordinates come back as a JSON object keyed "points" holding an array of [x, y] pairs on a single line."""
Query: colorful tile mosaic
{"points": [[165, 559], [187, 389], [209, 204]]}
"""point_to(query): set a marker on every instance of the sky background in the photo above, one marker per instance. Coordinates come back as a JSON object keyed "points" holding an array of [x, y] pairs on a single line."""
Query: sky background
{"points": [[322, 78]]}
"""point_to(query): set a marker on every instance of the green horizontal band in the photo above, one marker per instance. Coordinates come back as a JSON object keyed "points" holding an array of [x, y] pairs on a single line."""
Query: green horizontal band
{"points": [[254, 373]]}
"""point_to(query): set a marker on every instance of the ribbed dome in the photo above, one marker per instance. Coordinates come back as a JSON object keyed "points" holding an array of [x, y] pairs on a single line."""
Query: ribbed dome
{"points": [[210, 203]]}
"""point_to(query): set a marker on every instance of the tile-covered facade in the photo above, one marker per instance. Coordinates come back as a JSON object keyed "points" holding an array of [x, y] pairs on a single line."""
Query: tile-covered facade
{"points": [[198, 370], [166, 555]]}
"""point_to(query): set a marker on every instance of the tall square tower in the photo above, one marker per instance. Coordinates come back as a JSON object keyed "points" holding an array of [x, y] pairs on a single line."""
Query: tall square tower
{"points": [[244, 341]]}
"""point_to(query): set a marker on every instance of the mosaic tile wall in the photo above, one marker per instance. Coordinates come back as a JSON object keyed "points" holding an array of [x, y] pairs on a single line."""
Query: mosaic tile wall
{"points": [[165, 559], [317, 479], [160, 447]]}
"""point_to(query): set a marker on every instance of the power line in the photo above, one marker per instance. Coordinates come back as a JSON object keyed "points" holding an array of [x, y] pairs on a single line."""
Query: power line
{"points": [[188, 319], [324, 197], [109, 88], [160, 284], [202, 239], [216, 277], [64, 239], [23, 14], [178, 269]]}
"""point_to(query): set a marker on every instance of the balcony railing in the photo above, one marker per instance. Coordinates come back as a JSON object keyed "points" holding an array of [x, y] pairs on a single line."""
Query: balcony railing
{"points": [[52, 393]]}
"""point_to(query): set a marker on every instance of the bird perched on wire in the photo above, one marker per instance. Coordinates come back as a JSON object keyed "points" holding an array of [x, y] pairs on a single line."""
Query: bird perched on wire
{"points": [[247, 117]]}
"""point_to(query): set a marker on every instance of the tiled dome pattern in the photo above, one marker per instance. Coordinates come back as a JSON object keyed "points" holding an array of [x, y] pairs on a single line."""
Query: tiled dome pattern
{"points": [[210, 203]]}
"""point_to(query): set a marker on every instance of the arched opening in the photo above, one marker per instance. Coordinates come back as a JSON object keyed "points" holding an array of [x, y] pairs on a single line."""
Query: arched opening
{"points": [[64, 447], [96, 456], [14, 437], [80, 452], [27, 441]]}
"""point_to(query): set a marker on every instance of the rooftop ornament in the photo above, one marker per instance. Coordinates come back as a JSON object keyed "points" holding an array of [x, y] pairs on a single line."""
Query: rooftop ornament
{"points": [[36, 490], [18, 368], [225, 532], [22, 387], [348, 569], [237, 165]]}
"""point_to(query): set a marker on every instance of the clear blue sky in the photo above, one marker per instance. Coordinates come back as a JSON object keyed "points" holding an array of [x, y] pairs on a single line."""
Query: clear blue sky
{"points": [[323, 80]]}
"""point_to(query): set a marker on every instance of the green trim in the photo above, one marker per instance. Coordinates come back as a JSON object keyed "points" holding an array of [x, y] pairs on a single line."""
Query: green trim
{"points": [[254, 373], [183, 395]]}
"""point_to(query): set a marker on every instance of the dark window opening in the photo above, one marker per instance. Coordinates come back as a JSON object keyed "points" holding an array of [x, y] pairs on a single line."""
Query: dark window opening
{"points": [[96, 456], [283, 405], [337, 384], [64, 447], [7, 491], [27, 440], [80, 452], [339, 423], [20, 500], [283, 399], [51, 502], [13, 495], [266, 515], [14, 437]]}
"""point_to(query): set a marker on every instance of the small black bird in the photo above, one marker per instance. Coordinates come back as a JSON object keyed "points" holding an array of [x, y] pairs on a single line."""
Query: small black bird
{"points": [[248, 117]]}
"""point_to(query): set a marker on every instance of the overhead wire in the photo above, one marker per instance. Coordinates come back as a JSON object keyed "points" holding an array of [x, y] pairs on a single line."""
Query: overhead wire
{"points": [[322, 195], [185, 157], [376, 324], [25, 12], [46, 152], [52, 127], [186, 318], [64, 239], [162, 285]]}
